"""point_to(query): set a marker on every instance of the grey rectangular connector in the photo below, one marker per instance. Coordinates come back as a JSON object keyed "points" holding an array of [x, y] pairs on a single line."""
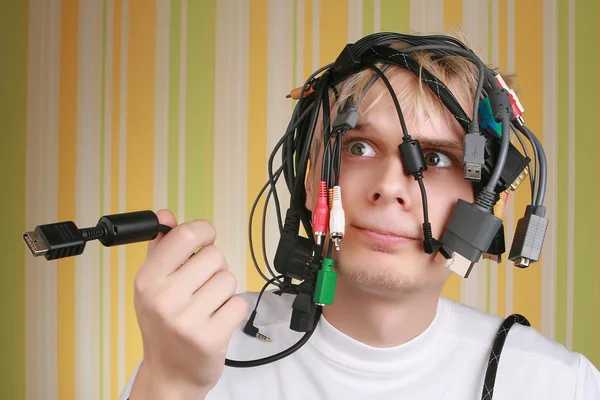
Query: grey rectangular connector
{"points": [[473, 156]]}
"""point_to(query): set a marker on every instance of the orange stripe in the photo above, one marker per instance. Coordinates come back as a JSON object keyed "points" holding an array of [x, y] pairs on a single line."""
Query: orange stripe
{"points": [[114, 200], [333, 36], [502, 56], [452, 14], [257, 119], [140, 149], [67, 158], [528, 64]]}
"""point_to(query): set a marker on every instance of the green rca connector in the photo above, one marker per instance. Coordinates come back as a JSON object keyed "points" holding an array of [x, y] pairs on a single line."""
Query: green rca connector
{"points": [[326, 281]]}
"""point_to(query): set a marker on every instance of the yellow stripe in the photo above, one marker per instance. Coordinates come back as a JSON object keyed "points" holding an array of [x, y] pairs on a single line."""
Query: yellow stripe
{"points": [[140, 106], [114, 200], [528, 64], [257, 120], [334, 36], [502, 56], [308, 41], [67, 158], [452, 14]]}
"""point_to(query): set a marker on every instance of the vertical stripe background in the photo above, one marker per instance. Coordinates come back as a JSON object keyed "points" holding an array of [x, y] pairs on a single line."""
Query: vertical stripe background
{"points": [[119, 105]]}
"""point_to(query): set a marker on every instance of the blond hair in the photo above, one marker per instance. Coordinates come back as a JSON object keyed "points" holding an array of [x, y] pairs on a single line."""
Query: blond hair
{"points": [[418, 101]]}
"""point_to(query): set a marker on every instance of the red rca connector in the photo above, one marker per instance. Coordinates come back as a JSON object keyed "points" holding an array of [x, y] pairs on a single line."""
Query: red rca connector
{"points": [[320, 217], [516, 105]]}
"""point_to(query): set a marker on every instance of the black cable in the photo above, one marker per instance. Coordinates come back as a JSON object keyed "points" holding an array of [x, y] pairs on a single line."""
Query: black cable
{"points": [[263, 232], [494, 359], [532, 175], [394, 98], [250, 219], [501, 160], [543, 164], [280, 355]]}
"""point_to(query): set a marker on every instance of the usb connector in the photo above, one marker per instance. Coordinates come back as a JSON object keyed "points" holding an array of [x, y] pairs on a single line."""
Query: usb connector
{"points": [[473, 157]]}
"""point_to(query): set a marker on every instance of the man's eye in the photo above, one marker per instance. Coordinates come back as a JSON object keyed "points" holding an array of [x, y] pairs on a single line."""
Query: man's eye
{"points": [[361, 149], [437, 159]]}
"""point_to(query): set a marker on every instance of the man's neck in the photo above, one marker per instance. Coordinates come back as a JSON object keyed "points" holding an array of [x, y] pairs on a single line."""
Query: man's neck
{"points": [[380, 321]]}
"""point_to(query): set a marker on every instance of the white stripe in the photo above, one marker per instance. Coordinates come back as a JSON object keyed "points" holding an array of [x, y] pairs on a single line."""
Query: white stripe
{"points": [[122, 191], [510, 214], [495, 62], [316, 45], [571, 180], [41, 197], [301, 75], [418, 22], [161, 105], [182, 103], [87, 294], [106, 265], [549, 142], [231, 113], [377, 16], [279, 66], [355, 20]]}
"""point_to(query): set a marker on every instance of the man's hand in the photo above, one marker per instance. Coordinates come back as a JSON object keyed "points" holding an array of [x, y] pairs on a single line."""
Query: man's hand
{"points": [[187, 311]]}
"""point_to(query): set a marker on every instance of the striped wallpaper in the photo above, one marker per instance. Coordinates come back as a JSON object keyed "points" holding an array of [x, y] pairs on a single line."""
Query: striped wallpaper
{"points": [[118, 105]]}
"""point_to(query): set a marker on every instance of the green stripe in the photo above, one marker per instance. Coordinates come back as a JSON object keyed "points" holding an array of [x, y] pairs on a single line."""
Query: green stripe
{"points": [[368, 17], [395, 15], [586, 144], [13, 75], [102, 191], [199, 110], [562, 192], [174, 73]]}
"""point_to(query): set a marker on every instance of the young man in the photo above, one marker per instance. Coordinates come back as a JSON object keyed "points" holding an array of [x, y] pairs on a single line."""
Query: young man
{"points": [[389, 334]]}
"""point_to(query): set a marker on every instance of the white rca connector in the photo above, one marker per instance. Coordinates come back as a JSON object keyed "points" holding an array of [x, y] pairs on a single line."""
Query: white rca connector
{"points": [[337, 219]]}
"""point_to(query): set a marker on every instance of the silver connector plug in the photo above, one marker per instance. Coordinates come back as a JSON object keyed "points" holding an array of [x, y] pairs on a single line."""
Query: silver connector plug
{"points": [[35, 243]]}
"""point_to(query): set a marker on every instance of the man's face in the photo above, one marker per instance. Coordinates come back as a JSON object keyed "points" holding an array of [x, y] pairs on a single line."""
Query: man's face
{"points": [[382, 248]]}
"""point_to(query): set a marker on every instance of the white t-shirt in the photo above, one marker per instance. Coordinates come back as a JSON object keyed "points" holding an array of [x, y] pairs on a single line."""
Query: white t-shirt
{"points": [[446, 362]]}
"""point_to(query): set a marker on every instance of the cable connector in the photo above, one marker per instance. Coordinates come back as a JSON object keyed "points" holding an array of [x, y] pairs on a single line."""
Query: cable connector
{"points": [[326, 283], [346, 121], [65, 239], [337, 219], [470, 230], [460, 265], [497, 247], [529, 237], [473, 156], [321, 214], [251, 330], [411, 155], [515, 103]]}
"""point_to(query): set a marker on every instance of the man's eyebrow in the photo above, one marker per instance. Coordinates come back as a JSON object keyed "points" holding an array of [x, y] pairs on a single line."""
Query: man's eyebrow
{"points": [[425, 142]]}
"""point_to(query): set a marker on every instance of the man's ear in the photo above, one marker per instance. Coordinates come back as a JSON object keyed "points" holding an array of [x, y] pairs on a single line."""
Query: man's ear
{"points": [[308, 185]]}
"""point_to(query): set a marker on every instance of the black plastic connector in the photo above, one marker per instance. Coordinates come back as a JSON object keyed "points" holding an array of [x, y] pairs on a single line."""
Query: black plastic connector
{"points": [[65, 239], [515, 161], [346, 63], [529, 237], [347, 120], [470, 231], [497, 247], [251, 330], [412, 157], [304, 311], [53, 241]]}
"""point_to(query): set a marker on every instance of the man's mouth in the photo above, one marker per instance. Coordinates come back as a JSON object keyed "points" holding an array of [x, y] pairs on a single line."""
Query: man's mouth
{"points": [[384, 238]]}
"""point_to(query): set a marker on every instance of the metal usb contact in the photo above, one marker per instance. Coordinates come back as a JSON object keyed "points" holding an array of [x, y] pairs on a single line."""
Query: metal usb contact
{"points": [[36, 243]]}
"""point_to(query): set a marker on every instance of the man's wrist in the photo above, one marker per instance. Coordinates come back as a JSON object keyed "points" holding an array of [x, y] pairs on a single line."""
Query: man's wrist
{"points": [[152, 386]]}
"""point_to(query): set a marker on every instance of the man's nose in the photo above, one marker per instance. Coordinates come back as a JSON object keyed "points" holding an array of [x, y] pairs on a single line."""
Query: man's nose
{"points": [[391, 184]]}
